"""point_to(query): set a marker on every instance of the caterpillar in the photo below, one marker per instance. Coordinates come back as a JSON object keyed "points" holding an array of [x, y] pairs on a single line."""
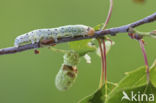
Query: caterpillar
{"points": [[68, 71], [36, 36]]}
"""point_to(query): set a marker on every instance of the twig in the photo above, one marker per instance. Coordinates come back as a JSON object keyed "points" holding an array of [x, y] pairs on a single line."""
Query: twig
{"points": [[12, 50], [111, 31]]}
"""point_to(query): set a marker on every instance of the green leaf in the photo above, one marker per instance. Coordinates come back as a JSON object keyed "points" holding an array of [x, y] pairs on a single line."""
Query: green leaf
{"points": [[98, 27], [135, 81], [153, 34], [99, 95], [82, 47], [153, 74], [135, 95]]}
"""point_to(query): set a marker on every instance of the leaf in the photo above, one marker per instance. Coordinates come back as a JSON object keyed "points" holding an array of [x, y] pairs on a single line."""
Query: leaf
{"points": [[98, 27], [135, 81], [153, 34], [82, 47], [135, 95], [99, 95], [153, 74]]}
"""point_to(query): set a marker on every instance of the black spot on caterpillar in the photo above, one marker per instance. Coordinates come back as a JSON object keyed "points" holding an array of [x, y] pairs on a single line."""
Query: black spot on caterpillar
{"points": [[53, 33]]}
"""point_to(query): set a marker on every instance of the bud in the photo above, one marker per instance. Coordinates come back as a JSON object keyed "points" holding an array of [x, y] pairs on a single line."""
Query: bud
{"points": [[71, 58], [153, 34], [65, 77], [68, 71]]}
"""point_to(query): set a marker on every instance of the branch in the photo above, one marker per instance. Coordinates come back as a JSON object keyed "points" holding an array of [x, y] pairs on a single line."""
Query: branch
{"points": [[111, 31]]}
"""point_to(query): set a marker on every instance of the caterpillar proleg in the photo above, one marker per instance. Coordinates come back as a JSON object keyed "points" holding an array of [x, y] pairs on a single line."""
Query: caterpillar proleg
{"points": [[53, 33]]}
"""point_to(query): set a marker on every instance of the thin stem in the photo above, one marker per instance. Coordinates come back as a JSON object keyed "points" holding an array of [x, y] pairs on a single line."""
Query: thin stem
{"points": [[58, 50], [109, 15], [105, 65], [104, 52], [145, 59], [102, 64], [104, 69], [133, 30]]}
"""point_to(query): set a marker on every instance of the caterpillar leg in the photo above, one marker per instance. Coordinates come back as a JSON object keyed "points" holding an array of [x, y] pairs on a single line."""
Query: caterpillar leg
{"points": [[56, 40], [47, 42]]}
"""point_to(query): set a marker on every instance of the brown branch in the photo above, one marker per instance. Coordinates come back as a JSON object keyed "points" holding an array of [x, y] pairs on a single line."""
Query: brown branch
{"points": [[111, 31]]}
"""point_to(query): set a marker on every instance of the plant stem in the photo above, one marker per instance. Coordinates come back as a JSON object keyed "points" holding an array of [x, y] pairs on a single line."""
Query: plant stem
{"points": [[102, 64], [58, 50], [109, 15], [103, 52], [105, 65], [145, 59]]}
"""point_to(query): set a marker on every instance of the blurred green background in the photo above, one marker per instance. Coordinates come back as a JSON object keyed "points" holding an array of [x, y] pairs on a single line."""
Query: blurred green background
{"points": [[29, 78]]}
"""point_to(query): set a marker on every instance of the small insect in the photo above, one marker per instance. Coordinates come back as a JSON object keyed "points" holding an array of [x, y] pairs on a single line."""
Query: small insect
{"points": [[36, 36], [68, 71]]}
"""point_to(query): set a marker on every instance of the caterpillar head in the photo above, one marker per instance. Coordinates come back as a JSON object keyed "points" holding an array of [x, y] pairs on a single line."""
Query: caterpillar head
{"points": [[91, 31]]}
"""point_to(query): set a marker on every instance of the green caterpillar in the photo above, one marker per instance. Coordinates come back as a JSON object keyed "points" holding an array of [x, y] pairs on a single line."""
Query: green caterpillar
{"points": [[68, 71], [53, 33]]}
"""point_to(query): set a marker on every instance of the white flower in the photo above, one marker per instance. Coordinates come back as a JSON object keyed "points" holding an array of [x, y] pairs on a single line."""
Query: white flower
{"points": [[87, 58], [108, 47]]}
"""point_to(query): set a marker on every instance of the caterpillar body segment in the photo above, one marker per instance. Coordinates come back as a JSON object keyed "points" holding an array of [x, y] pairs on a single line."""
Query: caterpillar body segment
{"points": [[34, 36], [54, 33]]}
